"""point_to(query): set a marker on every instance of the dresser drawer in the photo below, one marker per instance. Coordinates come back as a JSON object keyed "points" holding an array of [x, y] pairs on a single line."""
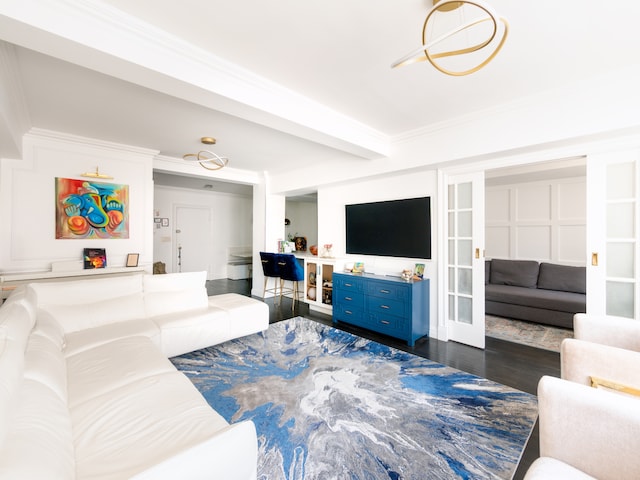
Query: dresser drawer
{"points": [[346, 312], [348, 283], [354, 299], [388, 324], [386, 306], [387, 290]]}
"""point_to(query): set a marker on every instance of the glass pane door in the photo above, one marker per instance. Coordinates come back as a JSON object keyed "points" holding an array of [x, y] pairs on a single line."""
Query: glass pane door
{"points": [[612, 206], [465, 259]]}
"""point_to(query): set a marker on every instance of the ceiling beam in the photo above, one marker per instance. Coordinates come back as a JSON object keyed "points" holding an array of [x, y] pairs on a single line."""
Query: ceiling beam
{"points": [[100, 37]]}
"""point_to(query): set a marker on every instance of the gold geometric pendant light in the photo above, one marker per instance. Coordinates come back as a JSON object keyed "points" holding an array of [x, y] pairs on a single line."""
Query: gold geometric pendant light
{"points": [[206, 158], [472, 32]]}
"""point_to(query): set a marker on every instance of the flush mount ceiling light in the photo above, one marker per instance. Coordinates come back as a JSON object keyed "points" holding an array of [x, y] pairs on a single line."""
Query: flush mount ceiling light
{"points": [[469, 34], [206, 158]]}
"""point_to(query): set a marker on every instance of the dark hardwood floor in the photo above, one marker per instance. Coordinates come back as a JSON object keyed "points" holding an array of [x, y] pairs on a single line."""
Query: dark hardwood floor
{"points": [[511, 364]]}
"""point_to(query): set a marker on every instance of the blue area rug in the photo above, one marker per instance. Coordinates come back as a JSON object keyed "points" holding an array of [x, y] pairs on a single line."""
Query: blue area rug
{"points": [[330, 405]]}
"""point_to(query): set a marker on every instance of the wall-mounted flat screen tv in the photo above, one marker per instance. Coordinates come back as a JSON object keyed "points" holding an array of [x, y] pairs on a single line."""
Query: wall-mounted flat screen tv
{"points": [[394, 228]]}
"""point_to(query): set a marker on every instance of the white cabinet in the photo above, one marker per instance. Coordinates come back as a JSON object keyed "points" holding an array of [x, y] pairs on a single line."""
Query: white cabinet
{"points": [[318, 282]]}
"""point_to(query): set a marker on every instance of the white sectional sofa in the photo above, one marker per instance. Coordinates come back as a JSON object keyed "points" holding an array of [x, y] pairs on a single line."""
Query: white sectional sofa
{"points": [[87, 390]]}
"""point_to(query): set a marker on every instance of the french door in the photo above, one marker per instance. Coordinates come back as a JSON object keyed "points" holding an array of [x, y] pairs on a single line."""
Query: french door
{"points": [[464, 224], [613, 209]]}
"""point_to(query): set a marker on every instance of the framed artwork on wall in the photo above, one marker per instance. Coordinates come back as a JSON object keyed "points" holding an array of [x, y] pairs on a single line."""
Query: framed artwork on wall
{"points": [[88, 209]]}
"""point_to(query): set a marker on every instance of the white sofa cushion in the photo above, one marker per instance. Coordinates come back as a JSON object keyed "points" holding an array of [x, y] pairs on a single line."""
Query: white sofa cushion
{"points": [[231, 453], [11, 371], [175, 292], [78, 292], [110, 366], [45, 363], [545, 468], [82, 316], [93, 337], [15, 324], [48, 327], [246, 315], [133, 428], [39, 442], [182, 333]]}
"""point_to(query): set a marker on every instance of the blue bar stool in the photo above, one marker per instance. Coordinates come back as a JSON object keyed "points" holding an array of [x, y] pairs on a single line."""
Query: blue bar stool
{"points": [[290, 270], [270, 269]]}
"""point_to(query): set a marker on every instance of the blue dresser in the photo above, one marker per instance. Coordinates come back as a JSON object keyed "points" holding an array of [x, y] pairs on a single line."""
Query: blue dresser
{"points": [[387, 305]]}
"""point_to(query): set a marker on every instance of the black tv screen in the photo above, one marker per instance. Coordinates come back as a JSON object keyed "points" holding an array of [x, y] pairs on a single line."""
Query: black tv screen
{"points": [[394, 228]]}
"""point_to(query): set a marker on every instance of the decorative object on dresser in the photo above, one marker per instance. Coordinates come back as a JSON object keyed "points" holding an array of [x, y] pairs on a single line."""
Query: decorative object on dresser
{"points": [[388, 305]]}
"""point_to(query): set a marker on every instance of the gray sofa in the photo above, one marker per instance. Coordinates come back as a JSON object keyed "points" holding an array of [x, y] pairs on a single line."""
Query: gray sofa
{"points": [[543, 293]]}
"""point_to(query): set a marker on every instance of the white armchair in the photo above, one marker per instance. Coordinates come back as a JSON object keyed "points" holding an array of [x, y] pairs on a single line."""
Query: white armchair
{"points": [[607, 330], [586, 433], [592, 363]]}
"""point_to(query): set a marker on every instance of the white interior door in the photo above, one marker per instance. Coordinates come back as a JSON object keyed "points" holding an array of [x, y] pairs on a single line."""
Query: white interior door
{"points": [[613, 215], [193, 239], [465, 259]]}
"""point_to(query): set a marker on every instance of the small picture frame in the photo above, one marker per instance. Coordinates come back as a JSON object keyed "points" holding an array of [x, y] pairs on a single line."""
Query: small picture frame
{"points": [[157, 220], [165, 222], [301, 243], [132, 259], [95, 258], [419, 270]]}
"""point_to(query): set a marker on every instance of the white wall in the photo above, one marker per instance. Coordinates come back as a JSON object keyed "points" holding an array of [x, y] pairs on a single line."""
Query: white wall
{"points": [[27, 201], [331, 223], [304, 220], [231, 225], [543, 221]]}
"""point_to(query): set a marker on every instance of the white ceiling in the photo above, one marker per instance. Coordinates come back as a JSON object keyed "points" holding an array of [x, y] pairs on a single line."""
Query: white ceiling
{"points": [[333, 52]]}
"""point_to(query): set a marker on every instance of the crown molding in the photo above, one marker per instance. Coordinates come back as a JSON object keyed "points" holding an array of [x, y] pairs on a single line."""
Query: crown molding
{"points": [[44, 134]]}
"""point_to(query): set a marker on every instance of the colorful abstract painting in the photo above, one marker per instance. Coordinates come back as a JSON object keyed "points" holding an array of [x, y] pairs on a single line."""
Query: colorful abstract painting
{"points": [[87, 209]]}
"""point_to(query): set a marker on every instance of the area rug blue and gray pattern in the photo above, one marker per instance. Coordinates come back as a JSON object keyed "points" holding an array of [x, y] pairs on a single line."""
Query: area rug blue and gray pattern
{"points": [[330, 405]]}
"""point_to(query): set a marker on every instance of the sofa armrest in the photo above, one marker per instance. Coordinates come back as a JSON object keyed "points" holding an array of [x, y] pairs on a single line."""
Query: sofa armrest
{"points": [[592, 430], [230, 454], [607, 330], [580, 361]]}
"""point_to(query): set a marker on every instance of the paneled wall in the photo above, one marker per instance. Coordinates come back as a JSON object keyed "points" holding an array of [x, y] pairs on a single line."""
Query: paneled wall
{"points": [[28, 240], [543, 221]]}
